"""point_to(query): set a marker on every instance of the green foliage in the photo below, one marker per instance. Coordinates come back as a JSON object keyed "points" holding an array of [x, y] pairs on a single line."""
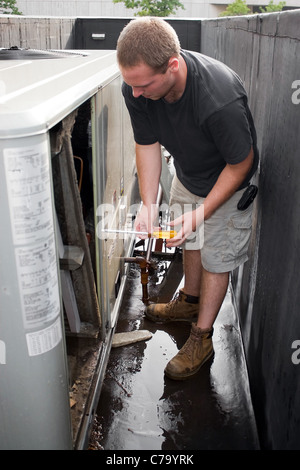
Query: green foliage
{"points": [[9, 7], [239, 7], [236, 8], [152, 7], [272, 7]]}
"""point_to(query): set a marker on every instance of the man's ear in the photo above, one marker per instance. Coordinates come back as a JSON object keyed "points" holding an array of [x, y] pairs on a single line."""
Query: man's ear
{"points": [[173, 64]]}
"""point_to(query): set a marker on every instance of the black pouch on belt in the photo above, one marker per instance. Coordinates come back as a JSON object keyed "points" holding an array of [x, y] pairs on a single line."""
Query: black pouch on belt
{"points": [[247, 197]]}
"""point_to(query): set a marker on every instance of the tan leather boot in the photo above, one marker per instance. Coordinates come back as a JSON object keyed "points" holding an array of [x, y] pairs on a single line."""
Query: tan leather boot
{"points": [[197, 350], [179, 309]]}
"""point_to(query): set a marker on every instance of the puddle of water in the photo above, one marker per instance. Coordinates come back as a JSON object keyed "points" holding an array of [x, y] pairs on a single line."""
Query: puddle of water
{"points": [[141, 409], [137, 425]]}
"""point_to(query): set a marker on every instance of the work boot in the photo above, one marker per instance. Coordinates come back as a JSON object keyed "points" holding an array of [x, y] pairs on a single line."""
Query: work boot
{"points": [[197, 350], [182, 308]]}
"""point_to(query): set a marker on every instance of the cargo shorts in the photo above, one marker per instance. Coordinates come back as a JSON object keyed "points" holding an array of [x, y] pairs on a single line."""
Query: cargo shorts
{"points": [[224, 238]]}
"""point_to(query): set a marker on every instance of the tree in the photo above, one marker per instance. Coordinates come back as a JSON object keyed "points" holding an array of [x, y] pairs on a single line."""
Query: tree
{"points": [[152, 7], [272, 7], [236, 8], [9, 7]]}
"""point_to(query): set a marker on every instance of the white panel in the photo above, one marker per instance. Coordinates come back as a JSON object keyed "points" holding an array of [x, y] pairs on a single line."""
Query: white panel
{"points": [[50, 89]]}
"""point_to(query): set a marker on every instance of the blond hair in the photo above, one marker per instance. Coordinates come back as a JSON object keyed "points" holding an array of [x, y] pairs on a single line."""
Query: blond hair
{"points": [[147, 40]]}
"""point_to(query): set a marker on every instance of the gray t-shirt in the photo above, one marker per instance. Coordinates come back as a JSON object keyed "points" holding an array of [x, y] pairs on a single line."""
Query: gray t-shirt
{"points": [[208, 127]]}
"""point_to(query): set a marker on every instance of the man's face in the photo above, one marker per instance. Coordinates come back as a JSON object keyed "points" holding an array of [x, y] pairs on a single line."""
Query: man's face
{"points": [[146, 82]]}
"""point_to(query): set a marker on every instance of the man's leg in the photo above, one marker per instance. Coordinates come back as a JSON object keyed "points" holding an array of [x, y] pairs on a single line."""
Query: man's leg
{"points": [[212, 293], [211, 286], [185, 306], [227, 234], [192, 272], [199, 347]]}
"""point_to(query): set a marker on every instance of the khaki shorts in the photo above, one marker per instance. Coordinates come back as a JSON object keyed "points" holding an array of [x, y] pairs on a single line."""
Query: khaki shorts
{"points": [[224, 238]]}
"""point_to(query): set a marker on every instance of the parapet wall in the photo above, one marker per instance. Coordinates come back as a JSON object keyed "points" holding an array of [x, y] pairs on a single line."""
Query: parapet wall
{"points": [[37, 32], [265, 50]]}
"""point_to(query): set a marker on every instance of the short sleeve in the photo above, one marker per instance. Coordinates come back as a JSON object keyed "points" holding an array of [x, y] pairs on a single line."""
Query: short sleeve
{"points": [[141, 124], [230, 130]]}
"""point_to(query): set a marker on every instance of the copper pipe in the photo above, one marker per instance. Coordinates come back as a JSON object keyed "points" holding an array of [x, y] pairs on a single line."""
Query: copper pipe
{"points": [[145, 262]]}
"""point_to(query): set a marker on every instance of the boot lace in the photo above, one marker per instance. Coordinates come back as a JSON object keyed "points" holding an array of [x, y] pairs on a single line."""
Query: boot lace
{"points": [[172, 304]]}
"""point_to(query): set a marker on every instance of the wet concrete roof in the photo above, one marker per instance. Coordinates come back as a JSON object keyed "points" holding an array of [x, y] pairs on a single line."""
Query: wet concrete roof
{"points": [[141, 409]]}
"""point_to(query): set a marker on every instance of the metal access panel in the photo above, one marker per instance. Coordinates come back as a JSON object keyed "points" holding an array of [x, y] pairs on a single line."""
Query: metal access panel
{"points": [[115, 196], [66, 150], [103, 33]]}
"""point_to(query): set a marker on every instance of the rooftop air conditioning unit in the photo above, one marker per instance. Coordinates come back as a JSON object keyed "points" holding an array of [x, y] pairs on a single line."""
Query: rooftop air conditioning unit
{"points": [[66, 151]]}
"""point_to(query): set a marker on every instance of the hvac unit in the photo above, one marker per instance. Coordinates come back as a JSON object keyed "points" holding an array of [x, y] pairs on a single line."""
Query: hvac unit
{"points": [[66, 161]]}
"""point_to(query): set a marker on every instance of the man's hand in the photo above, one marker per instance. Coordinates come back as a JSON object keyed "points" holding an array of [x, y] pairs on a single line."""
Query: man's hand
{"points": [[186, 224], [145, 220]]}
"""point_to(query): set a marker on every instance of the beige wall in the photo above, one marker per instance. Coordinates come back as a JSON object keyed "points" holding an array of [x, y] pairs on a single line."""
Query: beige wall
{"points": [[193, 8]]}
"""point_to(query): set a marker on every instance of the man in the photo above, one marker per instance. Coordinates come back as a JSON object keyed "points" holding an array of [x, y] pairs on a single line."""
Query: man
{"points": [[196, 108]]}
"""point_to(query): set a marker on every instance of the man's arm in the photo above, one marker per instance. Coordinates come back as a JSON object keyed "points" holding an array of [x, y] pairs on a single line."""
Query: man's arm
{"points": [[228, 182], [148, 163]]}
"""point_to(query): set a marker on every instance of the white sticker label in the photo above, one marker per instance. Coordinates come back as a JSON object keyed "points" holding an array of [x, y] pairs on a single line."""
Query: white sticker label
{"points": [[44, 340], [29, 192], [38, 281]]}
